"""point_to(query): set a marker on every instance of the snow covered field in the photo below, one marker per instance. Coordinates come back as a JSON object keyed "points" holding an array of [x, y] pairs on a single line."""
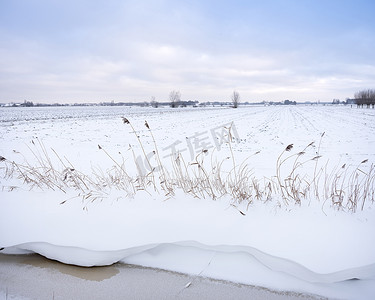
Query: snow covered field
{"points": [[297, 228]]}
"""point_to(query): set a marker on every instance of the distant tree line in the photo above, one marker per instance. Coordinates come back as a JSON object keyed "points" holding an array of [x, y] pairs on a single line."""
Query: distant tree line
{"points": [[288, 102], [365, 97], [27, 104], [285, 102]]}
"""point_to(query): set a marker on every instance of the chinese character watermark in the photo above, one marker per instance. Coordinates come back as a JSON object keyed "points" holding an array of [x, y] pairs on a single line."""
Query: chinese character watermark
{"points": [[195, 144]]}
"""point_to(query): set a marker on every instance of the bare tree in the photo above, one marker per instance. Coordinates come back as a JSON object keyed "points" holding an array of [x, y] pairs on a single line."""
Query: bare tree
{"points": [[235, 99], [174, 98], [153, 102]]}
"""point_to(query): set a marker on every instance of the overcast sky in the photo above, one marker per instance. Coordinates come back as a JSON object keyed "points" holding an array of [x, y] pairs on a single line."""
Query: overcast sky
{"points": [[91, 51]]}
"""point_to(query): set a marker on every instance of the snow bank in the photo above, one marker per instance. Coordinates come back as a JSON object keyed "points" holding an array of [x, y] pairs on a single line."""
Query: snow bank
{"points": [[299, 250]]}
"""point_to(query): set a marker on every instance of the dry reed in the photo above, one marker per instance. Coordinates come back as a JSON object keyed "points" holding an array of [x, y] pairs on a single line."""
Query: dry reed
{"points": [[345, 188]]}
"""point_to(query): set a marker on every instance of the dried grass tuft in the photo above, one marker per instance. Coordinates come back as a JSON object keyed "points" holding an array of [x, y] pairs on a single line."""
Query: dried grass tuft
{"points": [[299, 177]]}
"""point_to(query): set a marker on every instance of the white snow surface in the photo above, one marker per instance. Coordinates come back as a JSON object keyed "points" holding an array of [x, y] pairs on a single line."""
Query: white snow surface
{"points": [[311, 247]]}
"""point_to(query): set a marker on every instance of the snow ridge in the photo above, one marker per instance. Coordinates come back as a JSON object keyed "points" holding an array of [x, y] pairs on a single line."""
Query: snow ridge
{"points": [[242, 264]]}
